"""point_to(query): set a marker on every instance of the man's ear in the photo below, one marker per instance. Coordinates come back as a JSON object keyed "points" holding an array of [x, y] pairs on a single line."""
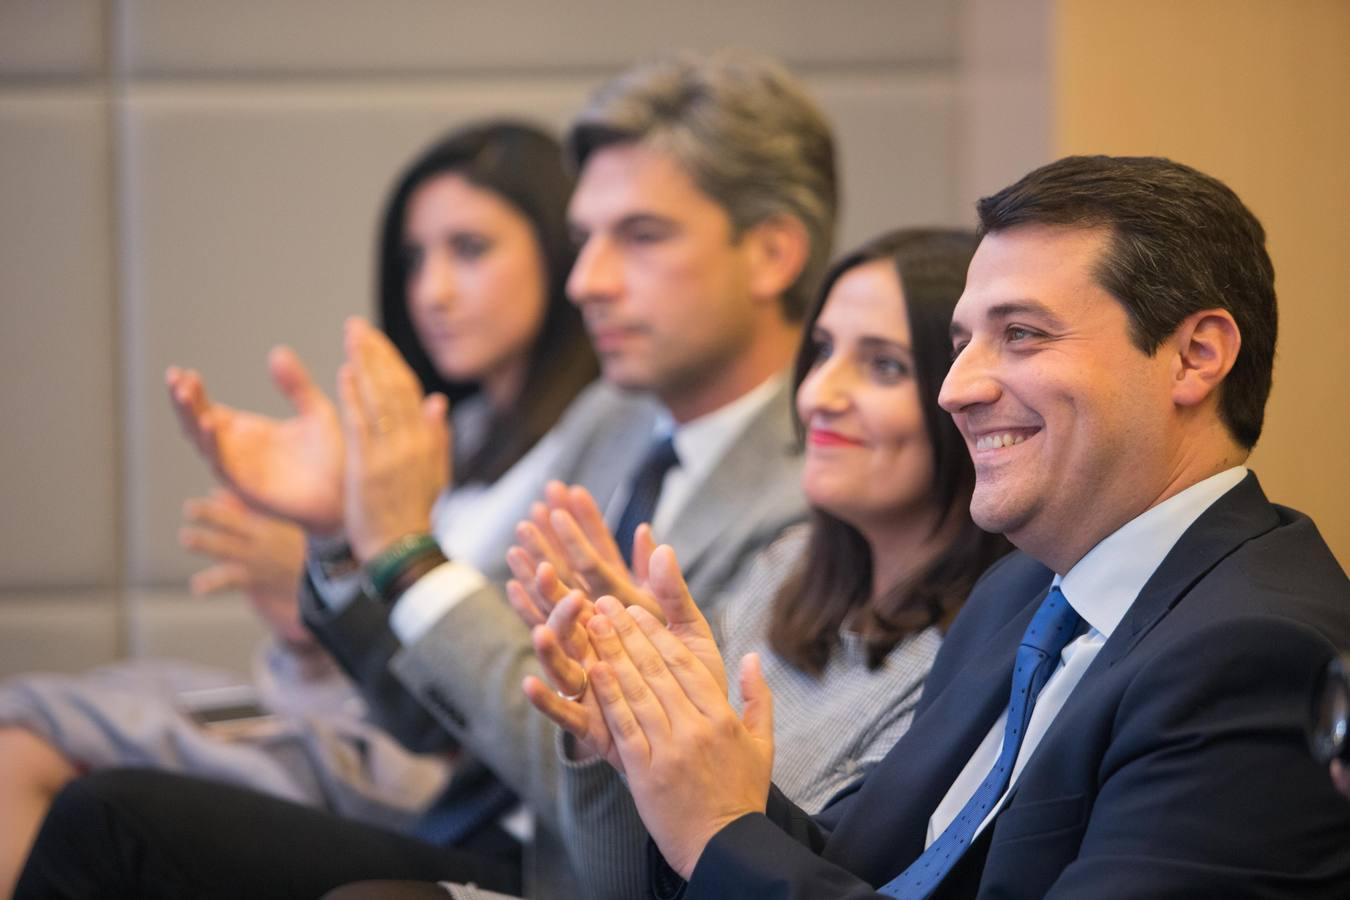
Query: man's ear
{"points": [[1206, 344], [778, 248]]}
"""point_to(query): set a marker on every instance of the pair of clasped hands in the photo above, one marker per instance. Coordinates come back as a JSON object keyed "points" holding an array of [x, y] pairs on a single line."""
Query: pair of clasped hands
{"points": [[649, 684]]}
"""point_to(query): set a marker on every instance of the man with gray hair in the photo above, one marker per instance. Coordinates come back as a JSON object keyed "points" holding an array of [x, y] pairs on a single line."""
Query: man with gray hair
{"points": [[703, 215]]}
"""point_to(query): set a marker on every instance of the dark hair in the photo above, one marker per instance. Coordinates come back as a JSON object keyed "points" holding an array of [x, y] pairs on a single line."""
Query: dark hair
{"points": [[832, 586], [523, 166], [1181, 241], [743, 128]]}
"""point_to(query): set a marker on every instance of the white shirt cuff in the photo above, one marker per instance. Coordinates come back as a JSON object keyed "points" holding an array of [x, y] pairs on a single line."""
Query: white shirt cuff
{"points": [[431, 597]]}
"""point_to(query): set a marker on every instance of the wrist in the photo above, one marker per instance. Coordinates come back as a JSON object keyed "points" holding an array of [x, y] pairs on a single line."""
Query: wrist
{"points": [[400, 564]]}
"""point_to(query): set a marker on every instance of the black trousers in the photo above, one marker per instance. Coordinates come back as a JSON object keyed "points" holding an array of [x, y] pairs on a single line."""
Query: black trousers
{"points": [[146, 834]]}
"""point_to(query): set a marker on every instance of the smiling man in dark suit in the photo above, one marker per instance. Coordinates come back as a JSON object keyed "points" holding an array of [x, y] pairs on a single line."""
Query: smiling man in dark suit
{"points": [[1119, 710]]}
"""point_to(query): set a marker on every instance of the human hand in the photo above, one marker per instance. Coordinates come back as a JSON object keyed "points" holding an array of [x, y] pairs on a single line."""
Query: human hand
{"points": [[693, 765], [291, 468], [564, 649], [254, 553], [398, 443], [568, 533]]}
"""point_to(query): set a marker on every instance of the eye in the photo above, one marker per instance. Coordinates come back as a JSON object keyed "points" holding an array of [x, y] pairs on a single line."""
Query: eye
{"points": [[888, 369], [644, 233], [957, 347], [1015, 333], [469, 247]]}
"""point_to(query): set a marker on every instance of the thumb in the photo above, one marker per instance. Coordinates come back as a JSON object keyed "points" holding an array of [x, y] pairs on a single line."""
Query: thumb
{"points": [[666, 582], [292, 379], [758, 715]]}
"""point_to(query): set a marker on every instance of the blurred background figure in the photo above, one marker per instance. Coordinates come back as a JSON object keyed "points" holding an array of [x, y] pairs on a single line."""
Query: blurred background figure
{"points": [[473, 255]]}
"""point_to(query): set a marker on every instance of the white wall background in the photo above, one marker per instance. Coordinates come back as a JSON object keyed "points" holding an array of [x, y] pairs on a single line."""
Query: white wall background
{"points": [[193, 181]]}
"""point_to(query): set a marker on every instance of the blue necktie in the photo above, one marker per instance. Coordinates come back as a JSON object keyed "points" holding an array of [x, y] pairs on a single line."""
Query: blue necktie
{"points": [[1051, 629], [646, 491]]}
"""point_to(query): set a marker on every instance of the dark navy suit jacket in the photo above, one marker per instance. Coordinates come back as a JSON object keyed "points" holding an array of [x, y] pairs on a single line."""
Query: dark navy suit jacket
{"points": [[1177, 768]]}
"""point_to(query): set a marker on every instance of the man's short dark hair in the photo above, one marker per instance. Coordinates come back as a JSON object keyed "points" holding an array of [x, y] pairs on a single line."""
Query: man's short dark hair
{"points": [[1181, 241]]}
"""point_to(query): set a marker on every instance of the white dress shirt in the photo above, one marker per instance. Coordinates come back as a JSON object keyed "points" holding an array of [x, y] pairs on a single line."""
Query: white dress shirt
{"points": [[1101, 587], [699, 443]]}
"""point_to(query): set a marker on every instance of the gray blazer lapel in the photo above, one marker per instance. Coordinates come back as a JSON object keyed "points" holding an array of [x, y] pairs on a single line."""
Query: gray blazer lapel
{"points": [[758, 478]]}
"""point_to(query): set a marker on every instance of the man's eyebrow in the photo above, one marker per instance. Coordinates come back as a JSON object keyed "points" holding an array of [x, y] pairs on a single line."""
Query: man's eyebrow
{"points": [[1011, 310]]}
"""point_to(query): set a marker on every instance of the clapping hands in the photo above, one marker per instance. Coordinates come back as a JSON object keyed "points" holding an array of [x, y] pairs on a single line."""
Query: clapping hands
{"points": [[653, 703], [375, 472]]}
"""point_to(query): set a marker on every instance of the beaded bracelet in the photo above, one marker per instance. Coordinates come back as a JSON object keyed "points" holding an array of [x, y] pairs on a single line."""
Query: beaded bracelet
{"points": [[383, 569]]}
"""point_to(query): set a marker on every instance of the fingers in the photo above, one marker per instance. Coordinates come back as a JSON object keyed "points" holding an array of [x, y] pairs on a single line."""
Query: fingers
{"points": [[644, 543], [592, 523], [571, 717], [293, 380], [568, 623], [563, 671], [221, 512], [629, 736], [214, 579], [191, 407], [208, 541], [355, 425], [524, 605], [698, 686], [582, 555], [666, 582], [758, 699], [652, 692], [390, 393]]}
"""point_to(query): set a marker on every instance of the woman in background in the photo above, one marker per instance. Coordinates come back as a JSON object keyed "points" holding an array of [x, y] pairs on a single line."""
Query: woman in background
{"points": [[473, 256]]}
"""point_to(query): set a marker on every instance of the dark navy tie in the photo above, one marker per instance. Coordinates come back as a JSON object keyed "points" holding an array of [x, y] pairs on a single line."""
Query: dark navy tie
{"points": [[1051, 629], [646, 491]]}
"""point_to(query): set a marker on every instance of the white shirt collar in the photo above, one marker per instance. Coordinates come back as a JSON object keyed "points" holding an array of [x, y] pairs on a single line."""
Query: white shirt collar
{"points": [[1103, 584], [700, 442]]}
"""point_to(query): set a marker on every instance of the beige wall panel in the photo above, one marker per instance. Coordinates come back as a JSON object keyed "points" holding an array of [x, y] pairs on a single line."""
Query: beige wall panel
{"points": [[57, 631], [58, 457], [213, 631], [50, 37], [1006, 92], [250, 220], [1259, 97], [896, 153], [207, 36]]}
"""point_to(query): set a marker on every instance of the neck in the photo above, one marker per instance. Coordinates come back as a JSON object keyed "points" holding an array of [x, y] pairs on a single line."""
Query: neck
{"points": [[503, 386], [903, 546], [767, 355]]}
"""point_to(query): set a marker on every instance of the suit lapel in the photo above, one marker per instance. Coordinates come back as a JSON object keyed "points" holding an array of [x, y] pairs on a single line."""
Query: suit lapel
{"points": [[1235, 518], [902, 793], [735, 482]]}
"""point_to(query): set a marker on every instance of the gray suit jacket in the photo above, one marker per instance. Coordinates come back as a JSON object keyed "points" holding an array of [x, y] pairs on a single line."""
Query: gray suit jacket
{"points": [[467, 669]]}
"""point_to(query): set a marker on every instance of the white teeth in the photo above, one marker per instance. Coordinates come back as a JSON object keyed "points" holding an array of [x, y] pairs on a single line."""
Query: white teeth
{"points": [[994, 441]]}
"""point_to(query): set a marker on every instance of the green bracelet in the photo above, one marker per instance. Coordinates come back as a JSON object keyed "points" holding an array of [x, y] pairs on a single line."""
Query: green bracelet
{"points": [[383, 569]]}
